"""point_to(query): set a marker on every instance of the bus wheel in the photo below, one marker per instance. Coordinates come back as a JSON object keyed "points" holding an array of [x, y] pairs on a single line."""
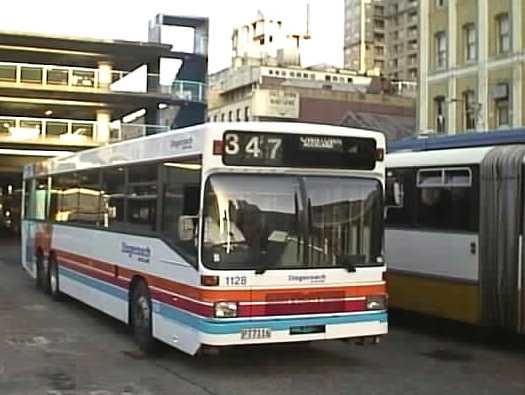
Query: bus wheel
{"points": [[141, 318], [54, 285]]}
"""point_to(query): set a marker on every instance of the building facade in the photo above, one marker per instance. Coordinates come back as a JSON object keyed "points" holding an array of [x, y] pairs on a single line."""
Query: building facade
{"points": [[314, 94], [401, 37], [364, 37], [471, 65]]}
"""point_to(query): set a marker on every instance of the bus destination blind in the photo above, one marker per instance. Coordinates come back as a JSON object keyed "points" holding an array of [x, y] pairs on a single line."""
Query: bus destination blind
{"points": [[295, 150]]}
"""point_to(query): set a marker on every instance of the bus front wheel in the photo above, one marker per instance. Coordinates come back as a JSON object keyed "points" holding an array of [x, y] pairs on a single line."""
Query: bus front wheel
{"points": [[141, 318]]}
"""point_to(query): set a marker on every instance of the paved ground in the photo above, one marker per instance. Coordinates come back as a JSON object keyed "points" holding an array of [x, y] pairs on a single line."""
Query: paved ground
{"points": [[66, 348]]}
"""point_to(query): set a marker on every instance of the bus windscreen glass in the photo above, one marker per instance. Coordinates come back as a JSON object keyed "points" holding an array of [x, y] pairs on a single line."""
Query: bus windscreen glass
{"points": [[290, 222], [295, 150]]}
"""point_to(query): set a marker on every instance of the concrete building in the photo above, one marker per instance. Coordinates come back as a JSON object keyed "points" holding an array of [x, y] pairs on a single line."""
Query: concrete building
{"points": [[471, 65], [401, 38], [381, 38], [364, 37], [61, 94], [268, 83]]}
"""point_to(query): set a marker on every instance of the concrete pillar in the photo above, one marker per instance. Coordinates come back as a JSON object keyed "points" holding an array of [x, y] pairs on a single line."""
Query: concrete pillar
{"points": [[104, 75], [103, 126], [483, 53], [517, 88], [451, 52]]}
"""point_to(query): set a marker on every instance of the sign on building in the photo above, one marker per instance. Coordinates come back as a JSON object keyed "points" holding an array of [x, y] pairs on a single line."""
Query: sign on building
{"points": [[275, 103]]}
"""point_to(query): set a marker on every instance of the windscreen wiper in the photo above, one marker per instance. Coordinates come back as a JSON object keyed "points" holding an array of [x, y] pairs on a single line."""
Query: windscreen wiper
{"points": [[350, 262]]}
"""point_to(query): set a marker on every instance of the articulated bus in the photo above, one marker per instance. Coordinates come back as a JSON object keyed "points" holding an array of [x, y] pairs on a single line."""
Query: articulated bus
{"points": [[218, 234], [454, 228]]}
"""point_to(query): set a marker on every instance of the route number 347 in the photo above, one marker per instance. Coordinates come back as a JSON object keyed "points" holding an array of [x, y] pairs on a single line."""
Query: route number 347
{"points": [[255, 147]]}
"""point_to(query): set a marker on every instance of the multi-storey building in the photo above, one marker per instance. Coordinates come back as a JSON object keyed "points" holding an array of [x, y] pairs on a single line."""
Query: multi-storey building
{"points": [[401, 37], [61, 94], [364, 37], [471, 65]]}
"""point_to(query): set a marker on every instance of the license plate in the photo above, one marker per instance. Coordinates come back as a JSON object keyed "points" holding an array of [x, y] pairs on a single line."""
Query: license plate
{"points": [[256, 333]]}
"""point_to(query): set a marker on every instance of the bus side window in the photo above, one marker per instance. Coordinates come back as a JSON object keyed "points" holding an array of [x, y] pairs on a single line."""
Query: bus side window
{"points": [[38, 200], [181, 206], [112, 201]]}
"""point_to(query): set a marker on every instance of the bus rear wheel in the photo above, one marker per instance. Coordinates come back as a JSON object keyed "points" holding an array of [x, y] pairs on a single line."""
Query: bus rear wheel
{"points": [[141, 319]]}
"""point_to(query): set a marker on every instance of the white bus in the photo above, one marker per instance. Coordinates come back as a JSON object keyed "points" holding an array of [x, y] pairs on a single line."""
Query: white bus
{"points": [[219, 234], [454, 228]]}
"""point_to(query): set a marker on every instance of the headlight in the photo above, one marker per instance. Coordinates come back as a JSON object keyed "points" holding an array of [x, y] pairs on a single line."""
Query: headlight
{"points": [[377, 302], [225, 309]]}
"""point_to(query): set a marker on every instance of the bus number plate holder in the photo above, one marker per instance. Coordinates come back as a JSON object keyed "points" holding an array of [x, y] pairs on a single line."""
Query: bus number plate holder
{"points": [[256, 333]]}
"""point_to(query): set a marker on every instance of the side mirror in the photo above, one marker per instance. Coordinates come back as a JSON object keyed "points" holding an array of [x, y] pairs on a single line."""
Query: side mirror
{"points": [[187, 226]]}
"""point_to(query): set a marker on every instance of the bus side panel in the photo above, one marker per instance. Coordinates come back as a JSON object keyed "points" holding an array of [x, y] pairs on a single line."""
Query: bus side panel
{"points": [[28, 247], [436, 275]]}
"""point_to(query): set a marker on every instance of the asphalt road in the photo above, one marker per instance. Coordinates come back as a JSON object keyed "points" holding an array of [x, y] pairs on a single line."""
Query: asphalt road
{"points": [[65, 348]]}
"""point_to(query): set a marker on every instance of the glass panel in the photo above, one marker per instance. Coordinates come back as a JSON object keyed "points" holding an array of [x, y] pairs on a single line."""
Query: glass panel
{"points": [[142, 198], [57, 76], [458, 177], [38, 200], [65, 198], [181, 204], [83, 78], [7, 73], [55, 129], [31, 75], [90, 208], [113, 189], [429, 178], [291, 222], [82, 129], [26, 124], [5, 124]]}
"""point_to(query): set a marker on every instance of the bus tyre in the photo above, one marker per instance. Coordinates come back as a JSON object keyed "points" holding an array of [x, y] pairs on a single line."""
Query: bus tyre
{"points": [[141, 318], [53, 280]]}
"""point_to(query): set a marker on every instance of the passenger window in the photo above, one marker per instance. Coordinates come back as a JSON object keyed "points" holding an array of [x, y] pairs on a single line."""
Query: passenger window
{"points": [[181, 204], [65, 198], [113, 193], [142, 198]]}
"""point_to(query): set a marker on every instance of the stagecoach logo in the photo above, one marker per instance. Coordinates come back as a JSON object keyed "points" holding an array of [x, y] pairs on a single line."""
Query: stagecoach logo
{"points": [[320, 278], [324, 143], [143, 254], [182, 143]]}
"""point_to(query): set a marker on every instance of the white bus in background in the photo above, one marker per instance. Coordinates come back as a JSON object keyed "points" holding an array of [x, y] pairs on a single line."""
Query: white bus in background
{"points": [[218, 234], [454, 228]]}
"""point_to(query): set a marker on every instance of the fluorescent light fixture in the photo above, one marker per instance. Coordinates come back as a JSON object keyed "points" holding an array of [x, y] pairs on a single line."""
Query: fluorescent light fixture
{"points": [[187, 166], [25, 152], [134, 115]]}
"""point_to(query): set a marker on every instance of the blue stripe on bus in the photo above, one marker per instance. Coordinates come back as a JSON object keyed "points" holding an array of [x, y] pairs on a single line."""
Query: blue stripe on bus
{"points": [[225, 327], [276, 324], [100, 285]]}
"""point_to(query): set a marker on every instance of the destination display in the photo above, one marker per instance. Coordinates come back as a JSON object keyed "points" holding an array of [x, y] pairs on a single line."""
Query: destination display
{"points": [[242, 148]]}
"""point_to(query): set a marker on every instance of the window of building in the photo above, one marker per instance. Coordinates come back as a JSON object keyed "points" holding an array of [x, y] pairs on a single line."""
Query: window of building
{"points": [[180, 208], [270, 72], [247, 113], [439, 110], [31, 124], [222, 117], [215, 118], [504, 33], [238, 115], [82, 129], [469, 34], [441, 49], [327, 78], [441, 3], [83, 78], [470, 110], [501, 95], [230, 116]]}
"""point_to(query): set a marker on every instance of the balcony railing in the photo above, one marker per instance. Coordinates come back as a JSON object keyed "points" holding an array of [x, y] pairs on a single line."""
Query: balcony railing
{"points": [[81, 78], [69, 131]]}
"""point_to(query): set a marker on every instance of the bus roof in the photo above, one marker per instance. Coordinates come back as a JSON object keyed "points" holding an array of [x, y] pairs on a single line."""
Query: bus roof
{"points": [[464, 140], [182, 143], [432, 158]]}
